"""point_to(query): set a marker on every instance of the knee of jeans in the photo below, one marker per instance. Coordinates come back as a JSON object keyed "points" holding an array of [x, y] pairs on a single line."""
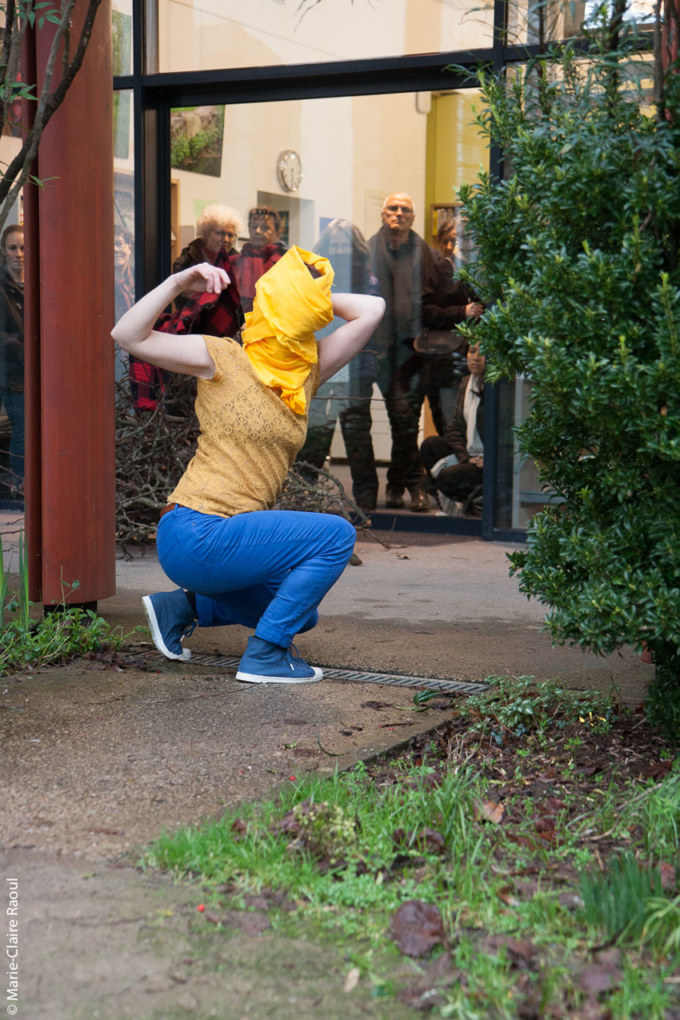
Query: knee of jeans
{"points": [[347, 534]]}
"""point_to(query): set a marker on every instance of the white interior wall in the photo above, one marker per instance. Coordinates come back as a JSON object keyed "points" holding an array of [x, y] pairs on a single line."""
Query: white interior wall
{"points": [[202, 34]]}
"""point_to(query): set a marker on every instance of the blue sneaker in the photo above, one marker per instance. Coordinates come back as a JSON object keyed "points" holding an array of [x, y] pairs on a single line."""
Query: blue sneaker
{"points": [[266, 663], [171, 618]]}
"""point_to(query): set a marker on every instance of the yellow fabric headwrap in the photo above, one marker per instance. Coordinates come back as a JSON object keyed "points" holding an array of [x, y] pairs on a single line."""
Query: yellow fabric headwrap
{"points": [[278, 337]]}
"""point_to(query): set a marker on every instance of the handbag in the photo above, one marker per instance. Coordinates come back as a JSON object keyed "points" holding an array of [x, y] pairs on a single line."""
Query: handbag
{"points": [[433, 343]]}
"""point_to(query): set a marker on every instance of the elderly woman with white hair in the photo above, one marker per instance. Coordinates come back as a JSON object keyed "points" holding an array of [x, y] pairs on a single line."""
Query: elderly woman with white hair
{"points": [[217, 229]]}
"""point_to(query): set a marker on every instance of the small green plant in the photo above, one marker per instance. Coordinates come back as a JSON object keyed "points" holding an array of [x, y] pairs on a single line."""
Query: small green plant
{"points": [[27, 640], [618, 902], [522, 706], [326, 830]]}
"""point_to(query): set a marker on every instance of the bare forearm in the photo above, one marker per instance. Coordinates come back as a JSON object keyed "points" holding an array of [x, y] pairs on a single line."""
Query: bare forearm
{"points": [[187, 353], [355, 306], [362, 313], [135, 326]]}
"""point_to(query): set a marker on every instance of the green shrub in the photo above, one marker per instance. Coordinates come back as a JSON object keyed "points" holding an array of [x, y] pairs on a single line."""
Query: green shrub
{"points": [[578, 260]]}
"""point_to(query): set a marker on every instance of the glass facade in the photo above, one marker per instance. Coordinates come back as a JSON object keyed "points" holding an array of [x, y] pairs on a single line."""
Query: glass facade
{"points": [[306, 157], [318, 162], [207, 34]]}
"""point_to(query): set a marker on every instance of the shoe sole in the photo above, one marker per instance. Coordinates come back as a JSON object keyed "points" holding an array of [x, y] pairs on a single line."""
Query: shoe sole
{"points": [[157, 636], [256, 678]]}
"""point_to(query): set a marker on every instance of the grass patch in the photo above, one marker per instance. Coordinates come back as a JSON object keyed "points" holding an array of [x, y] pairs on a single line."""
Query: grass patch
{"points": [[521, 858], [29, 640]]}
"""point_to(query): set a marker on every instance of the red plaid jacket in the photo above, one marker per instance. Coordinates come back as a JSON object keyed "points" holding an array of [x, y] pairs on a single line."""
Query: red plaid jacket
{"points": [[209, 314]]}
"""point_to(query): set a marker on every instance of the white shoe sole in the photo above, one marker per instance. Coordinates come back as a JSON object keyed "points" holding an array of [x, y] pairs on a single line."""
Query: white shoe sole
{"points": [[256, 678], [156, 633]]}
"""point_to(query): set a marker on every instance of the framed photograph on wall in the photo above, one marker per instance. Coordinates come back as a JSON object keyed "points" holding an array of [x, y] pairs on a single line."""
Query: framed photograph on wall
{"points": [[196, 138]]}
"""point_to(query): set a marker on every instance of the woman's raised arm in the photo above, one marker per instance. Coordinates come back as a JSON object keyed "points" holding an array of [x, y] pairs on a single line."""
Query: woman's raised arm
{"points": [[188, 353], [363, 313]]}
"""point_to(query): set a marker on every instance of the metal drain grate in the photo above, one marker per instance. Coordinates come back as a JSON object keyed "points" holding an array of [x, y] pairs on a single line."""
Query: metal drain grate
{"points": [[351, 675]]}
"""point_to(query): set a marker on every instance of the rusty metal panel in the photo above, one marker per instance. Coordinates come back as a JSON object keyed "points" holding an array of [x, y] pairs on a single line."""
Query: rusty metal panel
{"points": [[73, 447]]}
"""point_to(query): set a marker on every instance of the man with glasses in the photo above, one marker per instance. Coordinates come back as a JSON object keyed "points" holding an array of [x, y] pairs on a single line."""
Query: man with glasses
{"points": [[414, 281]]}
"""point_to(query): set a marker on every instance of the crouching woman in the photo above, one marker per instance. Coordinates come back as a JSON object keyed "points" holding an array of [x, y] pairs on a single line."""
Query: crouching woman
{"points": [[234, 558]]}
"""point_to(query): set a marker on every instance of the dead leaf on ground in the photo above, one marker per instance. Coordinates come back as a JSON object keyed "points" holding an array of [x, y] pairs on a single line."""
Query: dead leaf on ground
{"points": [[417, 927], [352, 980], [599, 977], [520, 952], [490, 811]]}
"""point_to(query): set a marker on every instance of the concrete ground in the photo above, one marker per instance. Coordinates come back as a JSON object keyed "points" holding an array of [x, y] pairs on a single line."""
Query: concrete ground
{"points": [[97, 761]]}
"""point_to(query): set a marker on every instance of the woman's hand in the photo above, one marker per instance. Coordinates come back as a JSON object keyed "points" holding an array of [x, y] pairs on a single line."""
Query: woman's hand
{"points": [[203, 278], [135, 332]]}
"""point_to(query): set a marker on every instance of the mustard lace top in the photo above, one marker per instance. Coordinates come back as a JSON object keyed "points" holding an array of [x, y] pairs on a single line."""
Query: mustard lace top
{"points": [[249, 437]]}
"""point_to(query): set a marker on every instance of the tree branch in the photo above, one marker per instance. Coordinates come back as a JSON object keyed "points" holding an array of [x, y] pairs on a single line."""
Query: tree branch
{"points": [[19, 170]]}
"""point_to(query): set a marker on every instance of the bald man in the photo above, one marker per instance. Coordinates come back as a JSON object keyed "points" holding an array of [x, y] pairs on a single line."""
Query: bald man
{"points": [[415, 283]]}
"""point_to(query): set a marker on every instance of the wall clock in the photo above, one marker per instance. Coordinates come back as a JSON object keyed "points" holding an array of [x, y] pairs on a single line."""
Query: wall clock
{"points": [[289, 170]]}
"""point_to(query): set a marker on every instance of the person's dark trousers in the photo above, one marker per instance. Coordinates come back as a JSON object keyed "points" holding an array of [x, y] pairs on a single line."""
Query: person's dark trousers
{"points": [[317, 447], [432, 449], [458, 481], [355, 424], [403, 394]]}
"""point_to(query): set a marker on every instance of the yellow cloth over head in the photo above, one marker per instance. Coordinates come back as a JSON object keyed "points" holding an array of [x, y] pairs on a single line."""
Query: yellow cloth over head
{"points": [[278, 337]]}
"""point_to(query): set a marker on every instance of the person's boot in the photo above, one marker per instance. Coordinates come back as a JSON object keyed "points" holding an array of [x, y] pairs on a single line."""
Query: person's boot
{"points": [[266, 663], [420, 501], [394, 498], [171, 617]]}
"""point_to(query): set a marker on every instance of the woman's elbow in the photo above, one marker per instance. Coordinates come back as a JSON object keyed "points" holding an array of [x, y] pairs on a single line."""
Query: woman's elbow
{"points": [[121, 338], [379, 309]]}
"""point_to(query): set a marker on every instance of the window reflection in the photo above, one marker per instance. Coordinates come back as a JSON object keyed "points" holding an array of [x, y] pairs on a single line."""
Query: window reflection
{"points": [[12, 360], [230, 33], [366, 182]]}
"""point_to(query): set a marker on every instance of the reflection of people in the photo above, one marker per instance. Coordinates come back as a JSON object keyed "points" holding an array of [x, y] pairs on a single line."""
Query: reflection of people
{"points": [[146, 381], [262, 250], [442, 374], [217, 229], [445, 239], [237, 560], [414, 282], [345, 247], [12, 346], [455, 460], [125, 278]]}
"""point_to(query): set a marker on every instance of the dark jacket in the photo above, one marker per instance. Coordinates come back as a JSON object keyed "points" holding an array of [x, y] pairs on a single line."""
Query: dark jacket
{"points": [[11, 333], [456, 430], [419, 290]]}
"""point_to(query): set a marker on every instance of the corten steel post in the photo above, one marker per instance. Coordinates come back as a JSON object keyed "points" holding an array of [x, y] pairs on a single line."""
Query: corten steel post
{"points": [[70, 496]]}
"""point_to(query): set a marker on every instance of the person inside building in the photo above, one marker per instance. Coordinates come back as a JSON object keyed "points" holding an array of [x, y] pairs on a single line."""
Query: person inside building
{"points": [[262, 250], [12, 348], [147, 385], [442, 374], [455, 461], [416, 284], [217, 230], [210, 314], [237, 560], [445, 240], [345, 247]]}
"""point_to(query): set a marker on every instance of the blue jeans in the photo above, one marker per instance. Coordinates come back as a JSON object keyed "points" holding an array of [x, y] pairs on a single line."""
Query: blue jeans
{"points": [[268, 569]]}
